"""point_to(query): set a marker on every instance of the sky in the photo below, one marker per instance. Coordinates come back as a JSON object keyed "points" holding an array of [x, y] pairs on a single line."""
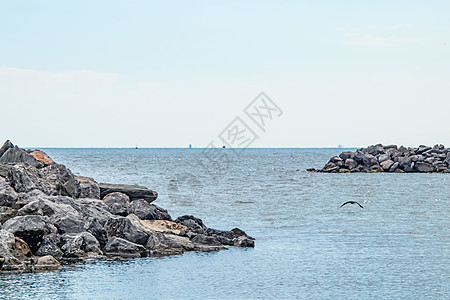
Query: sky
{"points": [[174, 73]]}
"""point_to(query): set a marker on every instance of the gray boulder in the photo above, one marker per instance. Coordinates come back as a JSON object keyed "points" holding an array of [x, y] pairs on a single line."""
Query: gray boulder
{"points": [[133, 191], [147, 211], [50, 246], [7, 194], [350, 163], [192, 223], [7, 213], [124, 228], [117, 203], [18, 155], [79, 246], [424, 167], [159, 244], [386, 165], [117, 246], [7, 145], [31, 229], [46, 263], [88, 187]]}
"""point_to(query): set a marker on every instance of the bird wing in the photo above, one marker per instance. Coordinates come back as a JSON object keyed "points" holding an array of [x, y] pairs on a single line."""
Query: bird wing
{"points": [[346, 203]]}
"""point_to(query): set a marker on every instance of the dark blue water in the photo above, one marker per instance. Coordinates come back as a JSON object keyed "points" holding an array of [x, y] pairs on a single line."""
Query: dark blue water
{"points": [[397, 247]]}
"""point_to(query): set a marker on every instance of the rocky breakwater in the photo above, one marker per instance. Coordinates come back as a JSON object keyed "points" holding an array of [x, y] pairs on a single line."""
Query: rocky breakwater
{"points": [[49, 217], [379, 158]]}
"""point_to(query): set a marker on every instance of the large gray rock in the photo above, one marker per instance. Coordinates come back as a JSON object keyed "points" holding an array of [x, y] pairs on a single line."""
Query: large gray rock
{"points": [[159, 244], [50, 246], [117, 203], [7, 213], [120, 247], [80, 246], [55, 179], [133, 191], [46, 263], [147, 211], [424, 167], [7, 194], [7, 145], [124, 228], [4, 169], [350, 163], [192, 223], [18, 155], [31, 229], [387, 164], [88, 187]]}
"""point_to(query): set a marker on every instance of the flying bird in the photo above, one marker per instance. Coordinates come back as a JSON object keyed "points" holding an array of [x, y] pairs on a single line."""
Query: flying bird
{"points": [[352, 202]]}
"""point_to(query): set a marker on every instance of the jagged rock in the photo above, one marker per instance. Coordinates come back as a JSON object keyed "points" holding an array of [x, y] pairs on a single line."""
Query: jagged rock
{"points": [[124, 228], [18, 155], [117, 203], [50, 246], [424, 167], [383, 157], [42, 157], [30, 228], [192, 223], [117, 246], [47, 263], [7, 213], [61, 180], [88, 187], [387, 164], [206, 243], [79, 246], [4, 169], [133, 191], [159, 245], [244, 241], [7, 194], [26, 178], [350, 163], [147, 211], [7, 145]]}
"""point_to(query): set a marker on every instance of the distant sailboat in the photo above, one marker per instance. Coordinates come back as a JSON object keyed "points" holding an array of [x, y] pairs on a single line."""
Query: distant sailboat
{"points": [[190, 146], [136, 147]]}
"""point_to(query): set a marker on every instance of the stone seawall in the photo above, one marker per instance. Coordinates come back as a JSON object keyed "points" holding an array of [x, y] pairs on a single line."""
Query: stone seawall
{"points": [[391, 158]]}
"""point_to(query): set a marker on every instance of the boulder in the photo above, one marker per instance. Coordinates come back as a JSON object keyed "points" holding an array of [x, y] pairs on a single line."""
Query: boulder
{"points": [[50, 246], [61, 180], [47, 263], [159, 244], [424, 167], [42, 157], [192, 223], [117, 246], [7, 194], [7, 213], [117, 203], [133, 191], [124, 228], [31, 229], [243, 241], [4, 169], [386, 165], [350, 163], [88, 187], [18, 155], [206, 243], [79, 246], [6, 145], [147, 211]]}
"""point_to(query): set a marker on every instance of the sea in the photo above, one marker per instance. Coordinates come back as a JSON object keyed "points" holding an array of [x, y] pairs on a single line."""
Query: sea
{"points": [[307, 247]]}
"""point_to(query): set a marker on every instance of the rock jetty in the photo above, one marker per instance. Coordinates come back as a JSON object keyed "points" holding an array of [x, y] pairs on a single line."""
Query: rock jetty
{"points": [[49, 216], [379, 158]]}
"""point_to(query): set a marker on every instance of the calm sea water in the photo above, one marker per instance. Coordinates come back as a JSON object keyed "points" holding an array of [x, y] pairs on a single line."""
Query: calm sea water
{"points": [[397, 247]]}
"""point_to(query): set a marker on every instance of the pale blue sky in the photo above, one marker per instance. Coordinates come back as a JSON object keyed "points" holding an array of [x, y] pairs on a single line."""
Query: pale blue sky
{"points": [[170, 73]]}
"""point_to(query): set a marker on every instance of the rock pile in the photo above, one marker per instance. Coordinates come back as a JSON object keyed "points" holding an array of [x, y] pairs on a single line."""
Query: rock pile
{"points": [[49, 216], [379, 158]]}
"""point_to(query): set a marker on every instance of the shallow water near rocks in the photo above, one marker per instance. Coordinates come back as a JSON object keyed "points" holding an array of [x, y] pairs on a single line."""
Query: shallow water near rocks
{"points": [[397, 247]]}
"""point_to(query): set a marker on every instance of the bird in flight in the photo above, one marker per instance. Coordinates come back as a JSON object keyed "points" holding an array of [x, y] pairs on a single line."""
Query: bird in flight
{"points": [[352, 202]]}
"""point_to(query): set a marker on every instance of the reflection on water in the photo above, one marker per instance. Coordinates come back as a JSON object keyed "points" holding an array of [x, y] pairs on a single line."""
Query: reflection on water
{"points": [[307, 247]]}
